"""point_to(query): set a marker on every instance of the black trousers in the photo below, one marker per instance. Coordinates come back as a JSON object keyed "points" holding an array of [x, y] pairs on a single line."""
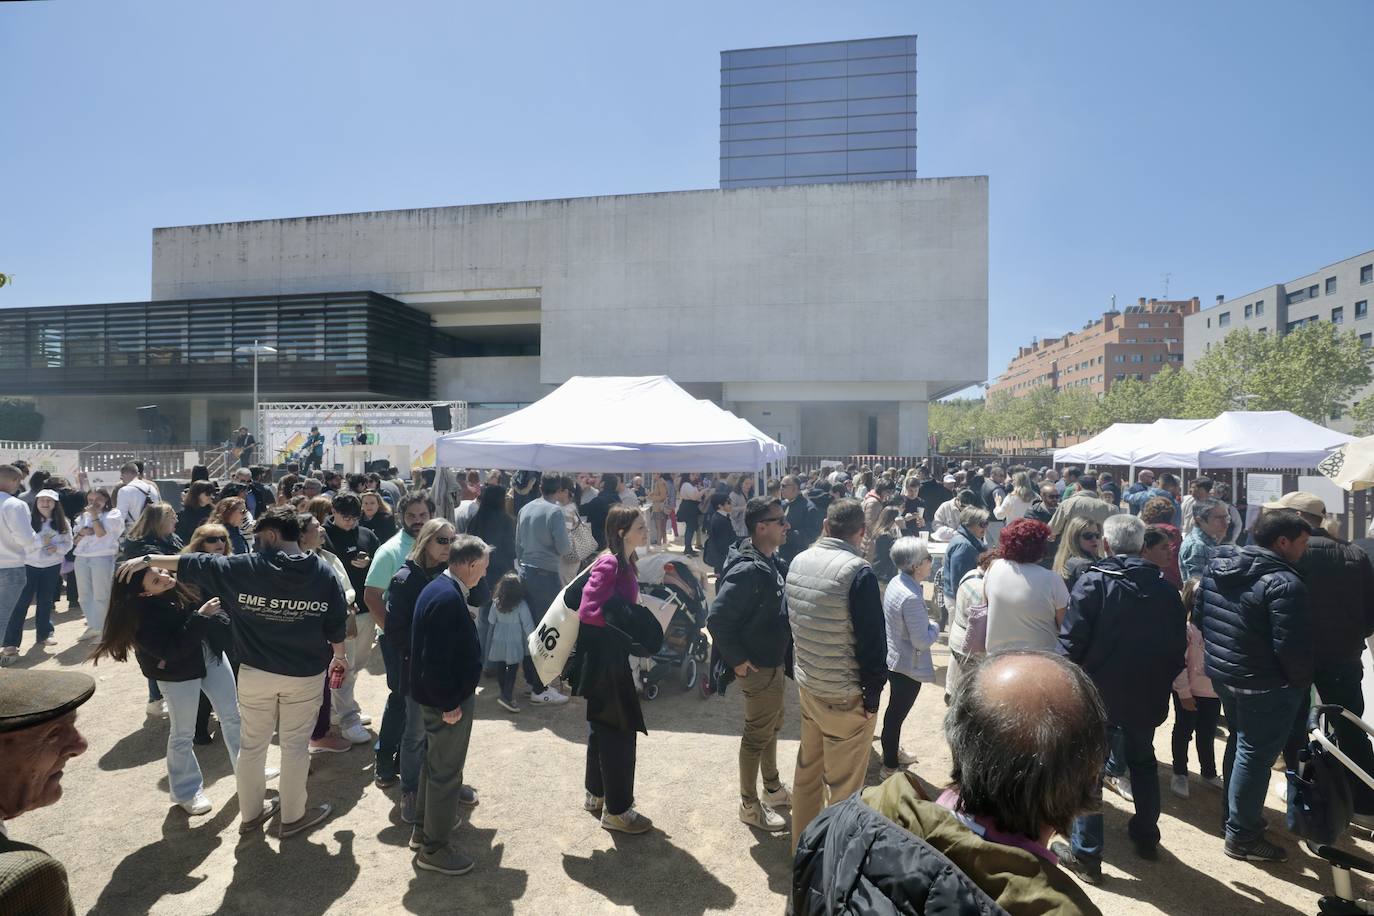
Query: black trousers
{"points": [[611, 766], [690, 521], [899, 702], [1200, 727]]}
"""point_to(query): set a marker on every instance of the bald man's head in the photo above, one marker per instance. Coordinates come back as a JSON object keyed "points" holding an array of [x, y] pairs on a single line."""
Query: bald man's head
{"points": [[1027, 731]]}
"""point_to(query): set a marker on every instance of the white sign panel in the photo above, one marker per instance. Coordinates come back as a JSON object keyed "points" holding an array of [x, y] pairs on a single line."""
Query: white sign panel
{"points": [[60, 462], [1327, 490], [1260, 489]]}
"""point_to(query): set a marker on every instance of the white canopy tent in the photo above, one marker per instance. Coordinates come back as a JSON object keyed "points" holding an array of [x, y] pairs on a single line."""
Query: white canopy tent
{"points": [[1239, 439], [1107, 447], [613, 424]]}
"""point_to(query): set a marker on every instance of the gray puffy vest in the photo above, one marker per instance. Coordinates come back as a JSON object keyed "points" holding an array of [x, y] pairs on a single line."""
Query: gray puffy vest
{"points": [[818, 583]]}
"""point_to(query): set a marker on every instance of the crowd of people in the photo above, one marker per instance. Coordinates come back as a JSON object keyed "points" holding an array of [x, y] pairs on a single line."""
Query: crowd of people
{"points": [[1079, 609]]}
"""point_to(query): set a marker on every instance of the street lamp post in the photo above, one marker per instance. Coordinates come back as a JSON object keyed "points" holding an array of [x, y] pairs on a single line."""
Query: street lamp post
{"points": [[257, 349]]}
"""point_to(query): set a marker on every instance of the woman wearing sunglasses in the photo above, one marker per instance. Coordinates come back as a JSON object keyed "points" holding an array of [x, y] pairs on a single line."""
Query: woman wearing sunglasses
{"points": [[1080, 546], [214, 539]]}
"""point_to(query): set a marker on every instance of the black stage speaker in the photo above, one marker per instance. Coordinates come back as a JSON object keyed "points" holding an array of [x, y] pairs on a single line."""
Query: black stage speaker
{"points": [[443, 417], [147, 418]]}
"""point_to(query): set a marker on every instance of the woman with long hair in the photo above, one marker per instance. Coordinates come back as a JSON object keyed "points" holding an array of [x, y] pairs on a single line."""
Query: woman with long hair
{"points": [[213, 539], [377, 516], [231, 513], [320, 507], [286, 488], [153, 533], [1158, 512], [180, 642], [42, 574], [613, 627], [198, 502], [1079, 547], [689, 511], [741, 491], [880, 540], [97, 542], [1019, 501]]}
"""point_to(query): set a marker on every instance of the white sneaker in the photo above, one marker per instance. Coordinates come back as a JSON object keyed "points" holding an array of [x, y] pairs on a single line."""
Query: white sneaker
{"points": [[50, 641], [757, 814], [780, 797], [364, 720], [549, 697], [1178, 784], [89, 634], [198, 805], [157, 709], [594, 804], [356, 734], [1121, 785]]}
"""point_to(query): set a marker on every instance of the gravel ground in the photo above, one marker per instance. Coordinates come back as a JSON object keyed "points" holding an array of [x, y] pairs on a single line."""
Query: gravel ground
{"points": [[128, 851]]}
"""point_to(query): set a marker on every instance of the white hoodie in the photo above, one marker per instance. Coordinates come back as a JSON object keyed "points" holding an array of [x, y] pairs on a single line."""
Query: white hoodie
{"points": [[50, 547], [16, 532], [93, 545]]}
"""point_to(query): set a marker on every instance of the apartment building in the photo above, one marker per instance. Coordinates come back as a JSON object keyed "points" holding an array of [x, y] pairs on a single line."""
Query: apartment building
{"points": [[1132, 343]]}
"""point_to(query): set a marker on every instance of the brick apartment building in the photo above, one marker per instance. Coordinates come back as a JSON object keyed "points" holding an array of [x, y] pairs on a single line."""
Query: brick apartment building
{"points": [[1135, 343]]}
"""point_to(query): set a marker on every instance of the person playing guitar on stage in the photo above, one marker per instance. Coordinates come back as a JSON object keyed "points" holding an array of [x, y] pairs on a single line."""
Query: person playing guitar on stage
{"points": [[313, 449], [244, 447]]}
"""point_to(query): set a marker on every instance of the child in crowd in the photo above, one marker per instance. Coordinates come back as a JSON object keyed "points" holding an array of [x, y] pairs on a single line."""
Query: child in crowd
{"points": [[511, 626], [1196, 707]]}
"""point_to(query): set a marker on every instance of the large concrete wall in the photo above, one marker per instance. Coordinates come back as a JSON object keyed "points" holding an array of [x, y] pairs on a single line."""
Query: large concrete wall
{"points": [[841, 279], [485, 379]]}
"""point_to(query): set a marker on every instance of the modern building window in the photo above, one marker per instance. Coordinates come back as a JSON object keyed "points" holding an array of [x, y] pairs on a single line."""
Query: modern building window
{"points": [[1120, 376], [1249, 310], [1299, 295], [1330, 286], [1144, 324], [1338, 315], [1367, 274], [1139, 377], [1362, 308], [1119, 358], [1224, 320], [1157, 358], [1366, 340], [1313, 291], [1137, 357], [1264, 330], [1259, 308], [1209, 322]]}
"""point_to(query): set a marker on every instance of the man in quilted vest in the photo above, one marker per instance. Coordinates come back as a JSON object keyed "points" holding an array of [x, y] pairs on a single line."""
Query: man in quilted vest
{"points": [[840, 645]]}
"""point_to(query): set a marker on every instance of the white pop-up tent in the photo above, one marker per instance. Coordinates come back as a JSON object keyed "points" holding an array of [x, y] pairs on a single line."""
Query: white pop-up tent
{"points": [[1111, 446], [613, 425], [1242, 439]]}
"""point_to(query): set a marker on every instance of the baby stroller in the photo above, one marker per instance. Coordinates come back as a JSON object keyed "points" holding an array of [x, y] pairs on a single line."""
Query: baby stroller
{"points": [[1320, 806], [684, 642]]}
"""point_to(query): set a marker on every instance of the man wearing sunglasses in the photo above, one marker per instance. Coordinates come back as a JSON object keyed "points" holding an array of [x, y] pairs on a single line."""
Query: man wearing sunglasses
{"points": [[749, 626]]}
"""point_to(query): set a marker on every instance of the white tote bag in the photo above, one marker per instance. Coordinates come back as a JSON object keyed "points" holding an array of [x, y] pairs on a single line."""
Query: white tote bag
{"points": [[552, 641]]}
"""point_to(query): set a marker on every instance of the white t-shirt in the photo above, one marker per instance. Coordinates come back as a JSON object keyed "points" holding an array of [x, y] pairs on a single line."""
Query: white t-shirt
{"points": [[687, 492], [134, 497], [1012, 508], [1022, 599]]}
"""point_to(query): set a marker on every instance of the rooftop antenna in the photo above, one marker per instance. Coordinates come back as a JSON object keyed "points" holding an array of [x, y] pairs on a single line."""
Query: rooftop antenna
{"points": [[1166, 284]]}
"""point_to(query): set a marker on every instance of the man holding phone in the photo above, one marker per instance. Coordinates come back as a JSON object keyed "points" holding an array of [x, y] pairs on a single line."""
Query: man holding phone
{"points": [[355, 546]]}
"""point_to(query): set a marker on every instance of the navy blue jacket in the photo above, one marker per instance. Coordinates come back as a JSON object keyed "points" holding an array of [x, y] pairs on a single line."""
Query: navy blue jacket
{"points": [[445, 654], [1127, 628], [748, 619], [1254, 620]]}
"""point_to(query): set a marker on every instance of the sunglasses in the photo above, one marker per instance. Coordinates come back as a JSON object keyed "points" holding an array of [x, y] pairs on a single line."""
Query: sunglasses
{"points": [[444, 541], [214, 539], [1089, 536]]}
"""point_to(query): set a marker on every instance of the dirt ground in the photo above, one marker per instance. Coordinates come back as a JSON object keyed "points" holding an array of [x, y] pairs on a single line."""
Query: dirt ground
{"points": [[129, 851]]}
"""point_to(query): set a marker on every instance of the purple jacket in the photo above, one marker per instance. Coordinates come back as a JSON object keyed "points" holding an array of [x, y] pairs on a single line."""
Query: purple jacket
{"points": [[608, 579]]}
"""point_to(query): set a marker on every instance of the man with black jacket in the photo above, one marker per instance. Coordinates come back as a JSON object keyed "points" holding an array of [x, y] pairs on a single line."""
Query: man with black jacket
{"points": [[840, 645], [1340, 608], [1258, 643], [1127, 628], [749, 627], [287, 611], [803, 520], [445, 666], [253, 493]]}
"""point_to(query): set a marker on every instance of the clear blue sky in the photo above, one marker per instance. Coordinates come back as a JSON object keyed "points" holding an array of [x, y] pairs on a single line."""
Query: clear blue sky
{"points": [[1228, 144]]}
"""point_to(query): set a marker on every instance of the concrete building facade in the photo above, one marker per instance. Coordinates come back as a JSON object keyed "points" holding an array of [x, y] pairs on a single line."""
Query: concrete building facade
{"points": [[818, 113], [764, 299], [1134, 343], [1339, 293]]}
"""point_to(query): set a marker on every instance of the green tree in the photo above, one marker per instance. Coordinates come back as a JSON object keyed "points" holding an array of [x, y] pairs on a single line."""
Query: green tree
{"points": [[1318, 370]]}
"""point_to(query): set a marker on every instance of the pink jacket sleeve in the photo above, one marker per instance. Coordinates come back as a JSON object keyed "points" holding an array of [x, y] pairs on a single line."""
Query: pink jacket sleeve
{"points": [[1183, 683], [601, 582]]}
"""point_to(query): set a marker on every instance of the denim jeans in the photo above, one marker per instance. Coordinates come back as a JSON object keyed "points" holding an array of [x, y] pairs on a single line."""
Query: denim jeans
{"points": [[1137, 752], [183, 699], [12, 582], [94, 578], [40, 584], [413, 746], [388, 745], [1259, 724]]}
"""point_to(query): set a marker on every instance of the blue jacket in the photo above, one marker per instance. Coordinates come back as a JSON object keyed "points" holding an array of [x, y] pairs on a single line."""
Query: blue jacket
{"points": [[1127, 628], [1137, 499], [445, 654], [1197, 548], [1254, 621], [910, 631], [960, 557]]}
